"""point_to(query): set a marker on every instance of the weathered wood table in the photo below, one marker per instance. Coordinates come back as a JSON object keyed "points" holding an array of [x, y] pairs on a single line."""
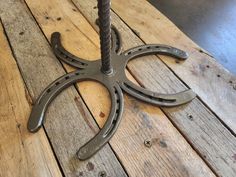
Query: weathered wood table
{"points": [[196, 139]]}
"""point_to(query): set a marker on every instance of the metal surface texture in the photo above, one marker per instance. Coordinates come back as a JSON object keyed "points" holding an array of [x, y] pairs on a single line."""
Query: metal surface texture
{"points": [[115, 80], [104, 18]]}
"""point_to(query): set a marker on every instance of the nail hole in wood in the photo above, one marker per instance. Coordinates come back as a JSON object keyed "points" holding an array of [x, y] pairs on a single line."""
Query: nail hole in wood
{"points": [[148, 143], [190, 116], [102, 174]]}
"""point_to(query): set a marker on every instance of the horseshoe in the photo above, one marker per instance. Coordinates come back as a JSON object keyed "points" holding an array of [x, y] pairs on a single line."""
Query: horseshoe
{"points": [[115, 83]]}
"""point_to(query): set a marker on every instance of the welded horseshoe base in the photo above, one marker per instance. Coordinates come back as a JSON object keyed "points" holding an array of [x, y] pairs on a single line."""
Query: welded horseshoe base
{"points": [[91, 70]]}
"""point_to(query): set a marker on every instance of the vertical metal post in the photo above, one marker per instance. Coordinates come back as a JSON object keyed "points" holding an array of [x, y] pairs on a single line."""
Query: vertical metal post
{"points": [[104, 15]]}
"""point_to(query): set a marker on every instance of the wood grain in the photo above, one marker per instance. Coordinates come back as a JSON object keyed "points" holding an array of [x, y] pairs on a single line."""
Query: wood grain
{"points": [[21, 153], [140, 121], [213, 84], [66, 126], [197, 123]]}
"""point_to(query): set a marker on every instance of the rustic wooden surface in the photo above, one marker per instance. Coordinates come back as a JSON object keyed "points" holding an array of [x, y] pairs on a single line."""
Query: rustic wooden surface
{"points": [[186, 141], [68, 19]]}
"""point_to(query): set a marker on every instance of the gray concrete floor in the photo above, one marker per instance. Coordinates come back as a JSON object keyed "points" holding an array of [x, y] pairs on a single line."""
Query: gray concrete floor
{"points": [[210, 23]]}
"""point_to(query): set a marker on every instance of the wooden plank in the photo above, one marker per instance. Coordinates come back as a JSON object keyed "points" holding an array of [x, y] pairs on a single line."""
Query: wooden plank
{"points": [[203, 130], [140, 121], [69, 125], [21, 153], [213, 84]]}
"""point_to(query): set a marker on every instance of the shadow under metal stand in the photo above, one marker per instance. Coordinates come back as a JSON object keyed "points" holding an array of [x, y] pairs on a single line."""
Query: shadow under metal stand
{"points": [[109, 71]]}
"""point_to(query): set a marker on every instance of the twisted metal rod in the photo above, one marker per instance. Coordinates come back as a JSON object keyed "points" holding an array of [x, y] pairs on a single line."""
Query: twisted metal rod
{"points": [[104, 15]]}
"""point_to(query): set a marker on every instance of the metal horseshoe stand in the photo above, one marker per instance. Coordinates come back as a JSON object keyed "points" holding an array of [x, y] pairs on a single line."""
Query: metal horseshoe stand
{"points": [[109, 71]]}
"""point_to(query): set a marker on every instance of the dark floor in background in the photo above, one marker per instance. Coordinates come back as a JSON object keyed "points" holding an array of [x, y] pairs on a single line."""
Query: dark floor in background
{"points": [[210, 23]]}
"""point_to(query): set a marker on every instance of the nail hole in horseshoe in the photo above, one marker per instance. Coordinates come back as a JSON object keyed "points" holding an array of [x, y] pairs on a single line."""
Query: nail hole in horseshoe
{"points": [[114, 121], [150, 97], [117, 111]]}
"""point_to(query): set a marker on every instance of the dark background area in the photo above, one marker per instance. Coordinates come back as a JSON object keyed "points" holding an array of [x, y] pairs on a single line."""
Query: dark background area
{"points": [[210, 23]]}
